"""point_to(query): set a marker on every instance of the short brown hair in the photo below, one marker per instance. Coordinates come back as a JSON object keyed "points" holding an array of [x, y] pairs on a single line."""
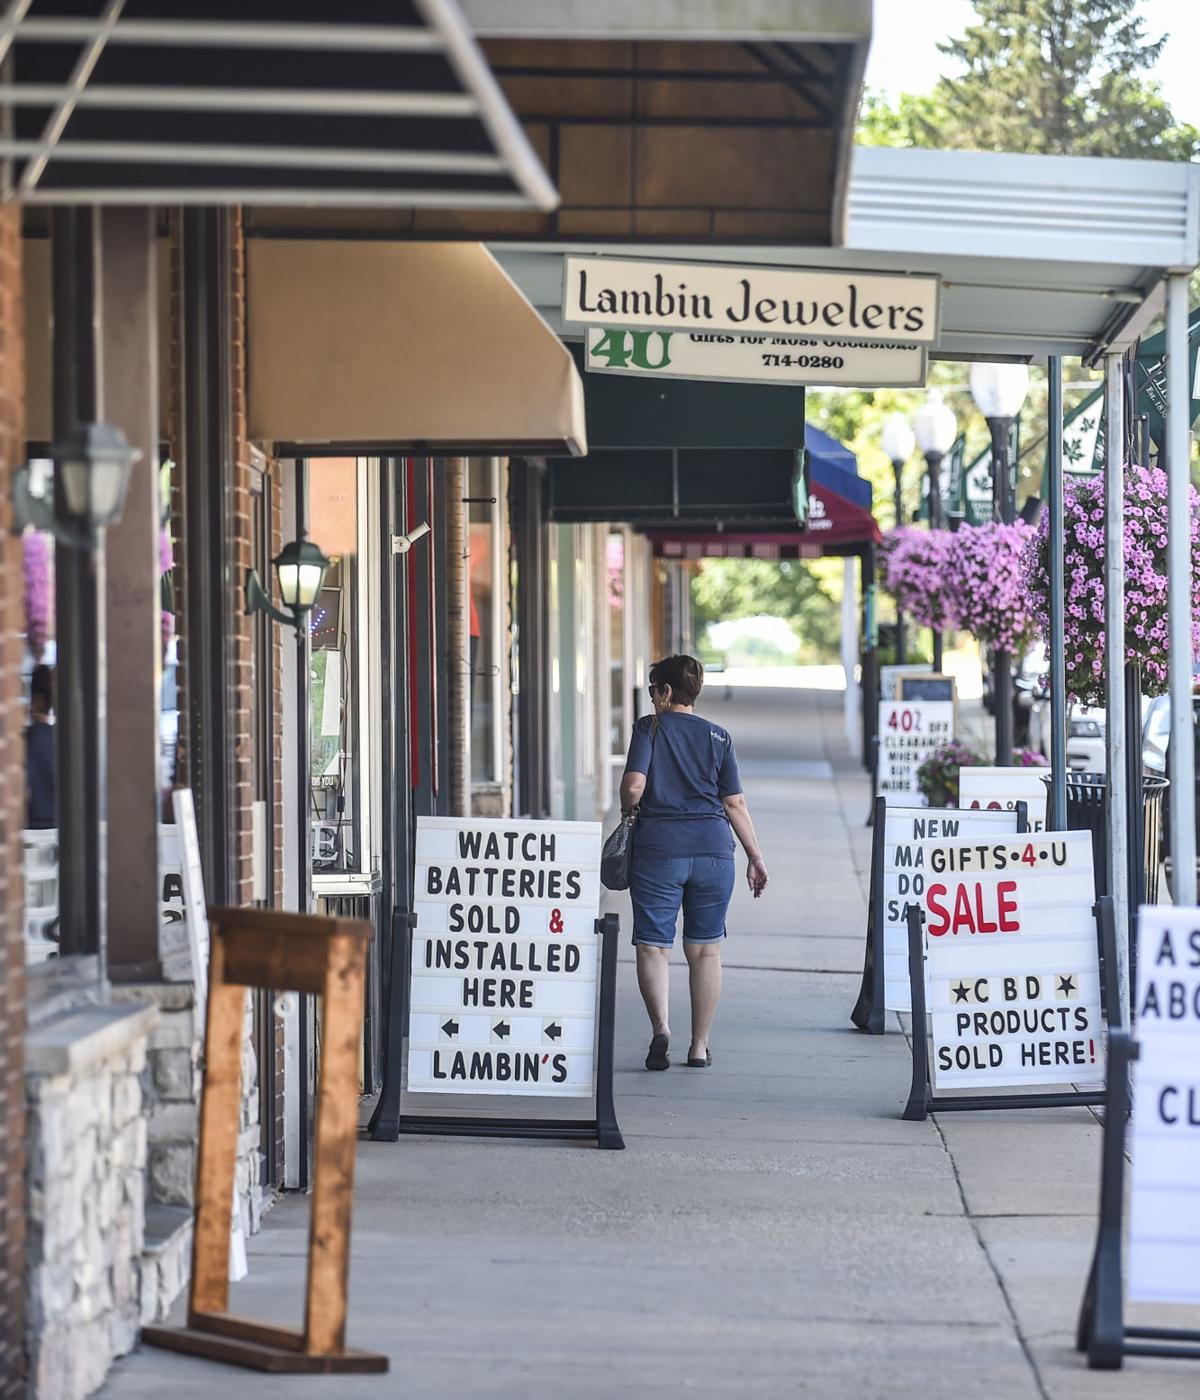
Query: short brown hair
{"points": [[684, 674]]}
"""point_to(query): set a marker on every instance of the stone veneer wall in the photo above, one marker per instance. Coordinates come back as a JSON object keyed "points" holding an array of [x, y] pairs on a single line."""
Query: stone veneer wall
{"points": [[87, 1183]]}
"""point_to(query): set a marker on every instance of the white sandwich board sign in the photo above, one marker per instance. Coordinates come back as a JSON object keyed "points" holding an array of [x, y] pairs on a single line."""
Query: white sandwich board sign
{"points": [[905, 830], [909, 731], [889, 677], [996, 789], [1164, 1203], [505, 957], [726, 357], [1012, 966]]}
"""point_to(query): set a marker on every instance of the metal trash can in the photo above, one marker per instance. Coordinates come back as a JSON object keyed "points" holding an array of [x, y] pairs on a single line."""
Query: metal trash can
{"points": [[1087, 810]]}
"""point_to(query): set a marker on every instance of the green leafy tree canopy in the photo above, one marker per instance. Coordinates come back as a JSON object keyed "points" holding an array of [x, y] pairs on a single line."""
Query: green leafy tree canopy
{"points": [[1047, 77]]}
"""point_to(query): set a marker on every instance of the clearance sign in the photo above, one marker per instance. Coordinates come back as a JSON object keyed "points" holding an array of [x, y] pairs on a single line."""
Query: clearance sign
{"points": [[504, 957], [1011, 961]]}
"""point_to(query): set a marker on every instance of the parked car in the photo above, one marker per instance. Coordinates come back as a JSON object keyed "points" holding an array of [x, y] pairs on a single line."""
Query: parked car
{"points": [[1156, 741]]}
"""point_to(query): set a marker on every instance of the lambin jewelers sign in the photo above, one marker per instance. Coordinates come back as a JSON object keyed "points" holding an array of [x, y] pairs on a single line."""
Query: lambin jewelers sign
{"points": [[504, 957], [1012, 967], [727, 357], [909, 731], [699, 296], [905, 832], [1164, 1203]]}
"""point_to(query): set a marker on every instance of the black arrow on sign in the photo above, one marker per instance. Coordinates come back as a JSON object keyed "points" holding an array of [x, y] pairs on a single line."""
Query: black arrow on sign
{"points": [[451, 1028], [553, 1030], [501, 1028]]}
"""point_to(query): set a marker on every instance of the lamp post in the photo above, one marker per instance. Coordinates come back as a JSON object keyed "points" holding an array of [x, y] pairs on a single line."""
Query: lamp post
{"points": [[999, 391], [898, 442], [935, 428]]}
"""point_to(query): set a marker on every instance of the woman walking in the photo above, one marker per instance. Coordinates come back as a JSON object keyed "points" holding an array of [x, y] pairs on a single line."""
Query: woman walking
{"points": [[682, 775]]}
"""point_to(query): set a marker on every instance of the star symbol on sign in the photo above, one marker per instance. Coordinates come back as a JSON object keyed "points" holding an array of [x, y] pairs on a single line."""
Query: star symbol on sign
{"points": [[961, 991], [1066, 985]]}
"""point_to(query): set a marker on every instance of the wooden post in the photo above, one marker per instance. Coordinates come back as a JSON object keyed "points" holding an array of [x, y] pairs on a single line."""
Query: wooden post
{"points": [[292, 952]]}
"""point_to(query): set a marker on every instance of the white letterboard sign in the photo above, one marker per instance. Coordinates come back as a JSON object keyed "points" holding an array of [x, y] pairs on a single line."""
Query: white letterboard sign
{"points": [[909, 731], [1012, 967], [504, 957], [905, 874], [996, 789], [1164, 1203]]}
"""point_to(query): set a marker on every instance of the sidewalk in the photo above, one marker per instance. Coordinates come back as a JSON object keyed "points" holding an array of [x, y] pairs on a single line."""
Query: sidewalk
{"points": [[773, 1228]]}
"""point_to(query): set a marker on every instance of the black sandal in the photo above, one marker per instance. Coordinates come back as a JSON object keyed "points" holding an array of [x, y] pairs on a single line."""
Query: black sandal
{"points": [[693, 1062], [658, 1057]]}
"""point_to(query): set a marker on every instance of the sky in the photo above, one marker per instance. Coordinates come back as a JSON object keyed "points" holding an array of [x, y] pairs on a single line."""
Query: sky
{"points": [[904, 55]]}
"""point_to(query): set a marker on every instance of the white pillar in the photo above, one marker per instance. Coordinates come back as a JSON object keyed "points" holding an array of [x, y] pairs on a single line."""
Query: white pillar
{"points": [[850, 613], [1114, 652], [1182, 794]]}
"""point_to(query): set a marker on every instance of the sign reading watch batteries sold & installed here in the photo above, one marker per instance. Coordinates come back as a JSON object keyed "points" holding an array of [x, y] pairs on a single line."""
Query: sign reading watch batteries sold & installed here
{"points": [[504, 957]]}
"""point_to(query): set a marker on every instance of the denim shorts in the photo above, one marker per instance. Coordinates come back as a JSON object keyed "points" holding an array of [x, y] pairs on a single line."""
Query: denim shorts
{"points": [[701, 885]]}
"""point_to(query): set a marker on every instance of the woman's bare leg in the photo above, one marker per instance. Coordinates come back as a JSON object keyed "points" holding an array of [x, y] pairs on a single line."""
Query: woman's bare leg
{"points": [[704, 980], [654, 972]]}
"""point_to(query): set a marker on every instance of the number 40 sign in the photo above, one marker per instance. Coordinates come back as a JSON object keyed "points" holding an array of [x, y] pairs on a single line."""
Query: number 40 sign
{"points": [[909, 731]]}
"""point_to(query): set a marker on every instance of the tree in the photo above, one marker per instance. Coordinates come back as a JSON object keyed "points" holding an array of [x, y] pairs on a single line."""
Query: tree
{"points": [[726, 589], [1048, 77]]}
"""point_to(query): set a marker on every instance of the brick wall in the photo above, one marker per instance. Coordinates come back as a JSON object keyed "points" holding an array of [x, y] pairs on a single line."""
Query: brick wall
{"points": [[12, 790]]}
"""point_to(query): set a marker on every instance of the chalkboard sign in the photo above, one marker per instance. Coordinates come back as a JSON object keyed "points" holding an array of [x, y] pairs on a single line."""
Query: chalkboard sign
{"points": [[931, 687]]}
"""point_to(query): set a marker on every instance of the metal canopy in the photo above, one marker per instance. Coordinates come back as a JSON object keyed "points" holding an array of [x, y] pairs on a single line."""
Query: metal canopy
{"points": [[1066, 254], [662, 120], [379, 102]]}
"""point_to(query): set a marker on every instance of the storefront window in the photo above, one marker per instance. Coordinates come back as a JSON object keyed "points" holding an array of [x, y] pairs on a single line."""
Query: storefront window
{"points": [[484, 590], [335, 689]]}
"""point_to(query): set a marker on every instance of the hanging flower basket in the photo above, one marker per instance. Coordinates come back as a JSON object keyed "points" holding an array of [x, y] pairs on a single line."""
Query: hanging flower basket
{"points": [[37, 551], [987, 580], [1145, 547], [916, 566]]}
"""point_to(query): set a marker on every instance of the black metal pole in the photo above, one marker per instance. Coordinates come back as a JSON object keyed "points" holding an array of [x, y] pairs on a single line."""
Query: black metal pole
{"points": [[1003, 506], [79, 611], [901, 639], [304, 834]]}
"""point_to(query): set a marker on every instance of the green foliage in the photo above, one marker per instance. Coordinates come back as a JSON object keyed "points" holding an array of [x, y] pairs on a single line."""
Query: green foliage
{"points": [[726, 589], [1048, 77]]}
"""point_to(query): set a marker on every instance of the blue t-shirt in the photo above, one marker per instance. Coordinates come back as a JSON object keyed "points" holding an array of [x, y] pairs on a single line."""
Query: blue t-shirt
{"points": [[690, 766]]}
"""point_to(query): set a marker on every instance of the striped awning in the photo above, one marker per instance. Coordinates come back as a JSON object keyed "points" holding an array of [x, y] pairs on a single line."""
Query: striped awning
{"points": [[370, 103]]}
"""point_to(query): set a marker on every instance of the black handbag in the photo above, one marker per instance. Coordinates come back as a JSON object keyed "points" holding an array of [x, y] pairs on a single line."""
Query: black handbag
{"points": [[616, 858]]}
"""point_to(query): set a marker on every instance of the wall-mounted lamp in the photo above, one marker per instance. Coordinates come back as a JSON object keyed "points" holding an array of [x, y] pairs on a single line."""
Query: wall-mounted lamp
{"points": [[92, 466], [300, 568]]}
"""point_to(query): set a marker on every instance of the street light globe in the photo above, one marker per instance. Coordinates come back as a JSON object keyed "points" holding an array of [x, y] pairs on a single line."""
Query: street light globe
{"points": [[935, 425], [897, 438], [93, 464], [999, 389]]}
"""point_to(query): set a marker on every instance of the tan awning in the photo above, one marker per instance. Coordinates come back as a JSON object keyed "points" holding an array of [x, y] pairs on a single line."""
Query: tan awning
{"points": [[423, 347]]}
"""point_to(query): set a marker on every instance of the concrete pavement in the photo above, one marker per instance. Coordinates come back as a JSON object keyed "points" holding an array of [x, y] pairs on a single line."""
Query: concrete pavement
{"points": [[773, 1228]]}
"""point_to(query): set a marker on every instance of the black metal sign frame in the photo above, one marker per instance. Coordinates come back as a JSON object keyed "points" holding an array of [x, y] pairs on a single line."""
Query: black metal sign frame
{"points": [[1101, 1333], [389, 1119], [922, 1101], [869, 1014]]}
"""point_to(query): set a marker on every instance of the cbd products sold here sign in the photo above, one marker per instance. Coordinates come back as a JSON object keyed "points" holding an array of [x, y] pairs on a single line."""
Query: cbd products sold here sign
{"points": [[1164, 1221], [1011, 962], [909, 731], [905, 875], [504, 957]]}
